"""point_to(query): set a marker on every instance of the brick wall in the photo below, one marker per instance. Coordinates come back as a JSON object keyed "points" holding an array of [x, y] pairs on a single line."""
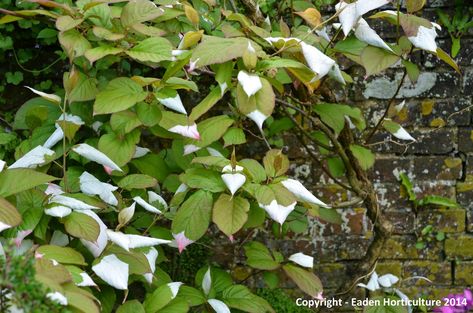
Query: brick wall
{"points": [[437, 113]]}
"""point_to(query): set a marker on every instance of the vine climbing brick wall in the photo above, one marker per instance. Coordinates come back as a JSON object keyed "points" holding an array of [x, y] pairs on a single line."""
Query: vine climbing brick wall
{"points": [[438, 114]]}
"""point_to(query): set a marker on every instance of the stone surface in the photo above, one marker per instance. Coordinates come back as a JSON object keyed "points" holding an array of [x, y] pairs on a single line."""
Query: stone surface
{"points": [[464, 273], [459, 247]]}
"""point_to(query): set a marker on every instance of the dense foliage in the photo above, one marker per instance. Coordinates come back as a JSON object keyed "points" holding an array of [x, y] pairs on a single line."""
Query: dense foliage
{"points": [[144, 149]]}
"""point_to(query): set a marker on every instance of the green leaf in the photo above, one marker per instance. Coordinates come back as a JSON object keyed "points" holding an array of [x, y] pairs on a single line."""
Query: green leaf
{"points": [[51, 110], [437, 200], [74, 43], [334, 115], [65, 22], [442, 55], [124, 122], [305, 280], [455, 46], [412, 70], [328, 215], [120, 94], [97, 53], [230, 213], [106, 34], [336, 166], [119, 148], [158, 299], [152, 165], [211, 130], [154, 49], [81, 299], [9, 215], [255, 170], [256, 216], [139, 11], [82, 226], [69, 128], [180, 83], [193, 217], [193, 296], [234, 136], [275, 163], [262, 101], [211, 161], [364, 156], [148, 113], [64, 255], [206, 104], [30, 205], [239, 297], [137, 261], [209, 51], [24, 179], [407, 184], [375, 60], [414, 5], [350, 45], [133, 306], [84, 89], [177, 305], [259, 257], [205, 179], [137, 181]]}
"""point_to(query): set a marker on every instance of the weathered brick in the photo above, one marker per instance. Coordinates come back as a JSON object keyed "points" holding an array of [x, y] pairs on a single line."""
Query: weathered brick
{"points": [[432, 292], [429, 85], [332, 275], [465, 139], [468, 81], [439, 273], [390, 196], [387, 267], [354, 222], [463, 58], [426, 112], [463, 273], [403, 221], [449, 220], [460, 247], [338, 248], [386, 167], [403, 248], [444, 139], [436, 168]]}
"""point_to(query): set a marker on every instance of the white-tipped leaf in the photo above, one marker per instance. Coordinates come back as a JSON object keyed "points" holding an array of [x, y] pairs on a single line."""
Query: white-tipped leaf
{"points": [[86, 280], [113, 271], [349, 13], [218, 306], [151, 256], [137, 241], [366, 34], [387, 280], [95, 155], [58, 211], [425, 38], [119, 238], [278, 212], [33, 158], [92, 186], [302, 259], [207, 282], [57, 297], [174, 286], [174, 103], [317, 60], [96, 247], [373, 283], [55, 137], [126, 214], [140, 152], [71, 202], [189, 131], [250, 83], [258, 117], [233, 181], [297, 189], [154, 197], [47, 96], [148, 207]]}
